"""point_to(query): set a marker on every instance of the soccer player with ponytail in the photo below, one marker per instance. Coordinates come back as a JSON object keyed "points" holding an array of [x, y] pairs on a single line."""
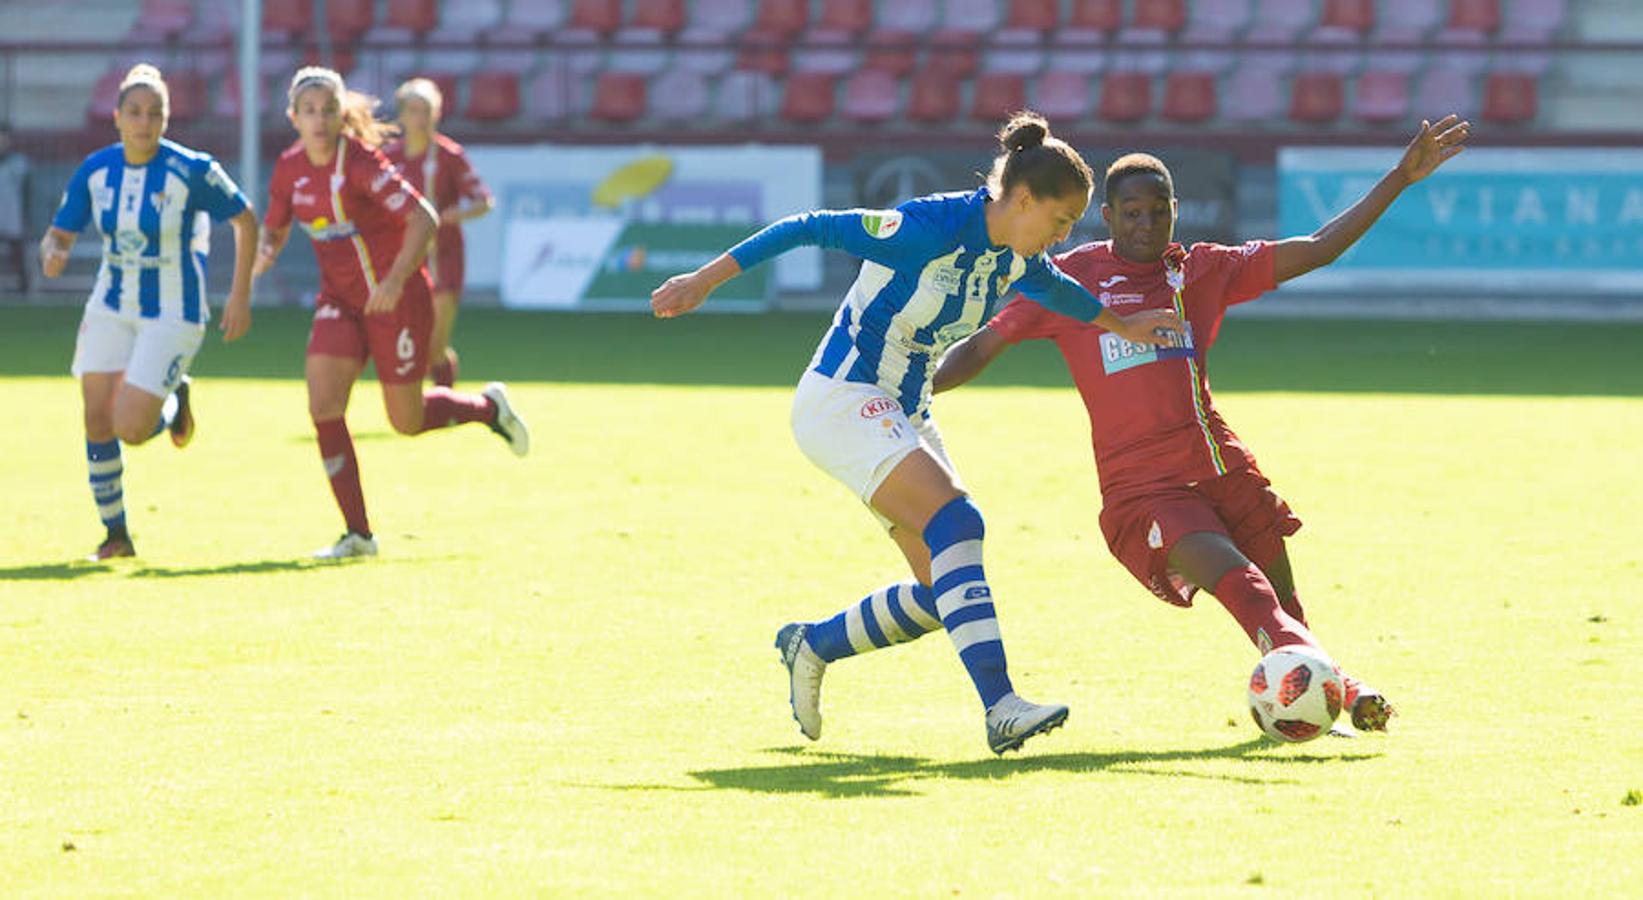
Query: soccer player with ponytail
{"points": [[370, 231], [934, 269]]}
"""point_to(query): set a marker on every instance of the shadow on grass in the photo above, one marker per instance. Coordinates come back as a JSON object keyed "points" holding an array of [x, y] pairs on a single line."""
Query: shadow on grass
{"points": [[71, 570], [853, 775]]}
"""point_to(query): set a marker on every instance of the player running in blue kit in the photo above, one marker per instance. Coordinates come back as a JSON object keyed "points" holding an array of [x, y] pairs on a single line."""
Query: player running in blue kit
{"points": [[153, 202], [934, 270]]}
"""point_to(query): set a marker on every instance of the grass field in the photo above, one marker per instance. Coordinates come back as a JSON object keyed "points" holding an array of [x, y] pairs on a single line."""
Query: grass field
{"points": [[558, 678]]}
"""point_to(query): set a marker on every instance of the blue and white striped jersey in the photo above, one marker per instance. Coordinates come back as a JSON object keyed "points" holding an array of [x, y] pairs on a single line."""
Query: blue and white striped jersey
{"points": [[929, 278], [156, 225]]}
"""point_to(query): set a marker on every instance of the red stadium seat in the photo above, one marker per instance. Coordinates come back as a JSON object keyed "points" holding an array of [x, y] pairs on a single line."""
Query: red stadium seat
{"points": [[871, 95], [188, 95], [956, 45], [849, 16], [932, 97], [598, 16], [618, 97], [1381, 97], [1349, 15], [281, 20], [808, 97], [783, 18], [1160, 15], [997, 96], [1317, 97], [666, 16], [493, 96], [1062, 95], [159, 20], [762, 51], [1189, 96], [1096, 15], [1033, 15], [346, 20], [1125, 96], [105, 96], [1510, 98], [1474, 15], [895, 52], [415, 16]]}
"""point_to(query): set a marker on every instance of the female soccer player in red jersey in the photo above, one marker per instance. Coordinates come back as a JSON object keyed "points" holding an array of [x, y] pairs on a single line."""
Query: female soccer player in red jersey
{"points": [[1184, 505], [370, 231], [437, 166]]}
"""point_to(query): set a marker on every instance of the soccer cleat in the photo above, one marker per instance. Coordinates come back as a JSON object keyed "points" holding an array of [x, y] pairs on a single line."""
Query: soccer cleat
{"points": [[350, 545], [1370, 709], [507, 423], [116, 545], [182, 421], [1012, 720], [804, 678]]}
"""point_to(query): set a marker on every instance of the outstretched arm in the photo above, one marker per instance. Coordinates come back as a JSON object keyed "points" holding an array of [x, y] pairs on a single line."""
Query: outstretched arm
{"points": [[1432, 147], [236, 318], [968, 358]]}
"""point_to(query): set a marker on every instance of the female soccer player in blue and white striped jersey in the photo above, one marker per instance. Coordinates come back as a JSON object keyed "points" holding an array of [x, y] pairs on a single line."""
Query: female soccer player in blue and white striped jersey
{"points": [[934, 270], [153, 202]]}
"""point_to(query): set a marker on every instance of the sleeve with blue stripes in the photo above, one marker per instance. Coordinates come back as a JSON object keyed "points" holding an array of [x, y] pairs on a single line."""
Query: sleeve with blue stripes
{"points": [[74, 213], [219, 196], [890, 237], [1056, 291]]}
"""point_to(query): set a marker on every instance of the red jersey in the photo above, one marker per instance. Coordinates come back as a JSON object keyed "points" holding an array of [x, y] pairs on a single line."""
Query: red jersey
{"points": [[1151, 417], [444, 175], [354, 210]]}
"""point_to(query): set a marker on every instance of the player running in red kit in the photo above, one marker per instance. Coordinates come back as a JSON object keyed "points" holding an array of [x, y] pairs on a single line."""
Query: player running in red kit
{"points": [[437, 166], [370, 231], [1184, 506]]}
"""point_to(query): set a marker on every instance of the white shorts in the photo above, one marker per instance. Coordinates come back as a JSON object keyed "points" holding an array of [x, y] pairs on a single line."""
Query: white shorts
{"points": [[857, 433], [153, 354]]}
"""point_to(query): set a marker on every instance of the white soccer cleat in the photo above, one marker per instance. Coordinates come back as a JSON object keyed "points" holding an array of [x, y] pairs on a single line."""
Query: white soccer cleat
{"points": [[508, 424], [351, 545], [804, 678], [1012, 720]]}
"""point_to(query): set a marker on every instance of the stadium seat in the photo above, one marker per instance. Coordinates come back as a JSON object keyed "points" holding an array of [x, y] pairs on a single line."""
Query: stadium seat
{"points": [[188, 95], [1126, 96], [597, 16], [493, 96], [285, 21], [1037, 16], [1348, 15], [871, 95], [1168, 16], [215, 22], [1019, 59], [464, 22], [618, 97], [892, 51], [1381, 96], [1216, 21], [636, 50], [1316, 98], [718, 16], [406, 20], [1252, 92], [161, 20], [932, 97], [1189, 96], [965, 25], [808, 98], [1062, 95], [762, 51], [555, 94], [781, 18], [846, 16], [834, 53], [1481, 16], [1443, 90], [1280, 20], [1079, 46], [997, 95], [1406, 21], [680, 95], [1532, 21], [455, 60], [745, 95], [1103, 16], [524, 21], [662, 16], [346, 20], [1510, 98]]}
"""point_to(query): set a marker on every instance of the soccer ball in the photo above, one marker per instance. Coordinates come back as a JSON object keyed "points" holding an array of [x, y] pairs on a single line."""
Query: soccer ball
{"points": [[1295, 693]]}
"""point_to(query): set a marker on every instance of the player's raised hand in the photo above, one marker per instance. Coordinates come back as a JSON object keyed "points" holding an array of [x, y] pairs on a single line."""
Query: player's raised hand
{"points": [[1433, 146], [679, 295], [1151, 326]]}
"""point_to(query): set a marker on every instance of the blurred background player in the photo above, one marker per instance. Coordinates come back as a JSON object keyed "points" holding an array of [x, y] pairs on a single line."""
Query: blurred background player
{"points": [[14, 181], [370, 230], [1184, 506], [933, 270], [153, 201], [437, 166]]}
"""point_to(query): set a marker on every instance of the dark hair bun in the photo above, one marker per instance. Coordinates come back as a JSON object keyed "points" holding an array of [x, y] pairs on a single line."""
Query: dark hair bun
{"points": [[1024, 131]]}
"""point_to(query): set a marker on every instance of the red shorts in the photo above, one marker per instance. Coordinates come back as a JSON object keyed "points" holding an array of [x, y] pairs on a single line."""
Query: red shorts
{"points": [[397, 342], [446, 262], [1142, 529]]}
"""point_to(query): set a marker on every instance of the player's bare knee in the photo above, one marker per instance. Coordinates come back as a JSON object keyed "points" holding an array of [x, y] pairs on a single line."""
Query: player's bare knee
{"points": [[406, 422]]}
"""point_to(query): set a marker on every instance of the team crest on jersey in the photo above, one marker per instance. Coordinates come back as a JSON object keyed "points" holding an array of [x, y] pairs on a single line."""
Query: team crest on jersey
{"points": [[882, 224], [160, 199], [130, 242], [395, 201]]}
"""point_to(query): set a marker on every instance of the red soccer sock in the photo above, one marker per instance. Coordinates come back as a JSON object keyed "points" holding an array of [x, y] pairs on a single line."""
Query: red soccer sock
{"points": [[1248, 595], [443, 407], [444, 370], [1292, 605], [336, 448]]}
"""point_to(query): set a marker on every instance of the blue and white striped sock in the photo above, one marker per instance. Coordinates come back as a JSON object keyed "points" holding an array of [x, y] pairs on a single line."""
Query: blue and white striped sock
{"points": [[892, 615], [954, 536], [106, 468]]}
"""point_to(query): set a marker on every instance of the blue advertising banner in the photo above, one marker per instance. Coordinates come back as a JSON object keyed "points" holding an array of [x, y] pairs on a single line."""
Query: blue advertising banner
{"points": [[1491, 221]]}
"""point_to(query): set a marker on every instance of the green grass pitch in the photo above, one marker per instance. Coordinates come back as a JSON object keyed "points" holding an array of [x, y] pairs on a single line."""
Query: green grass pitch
{"points": [[558, 678]]}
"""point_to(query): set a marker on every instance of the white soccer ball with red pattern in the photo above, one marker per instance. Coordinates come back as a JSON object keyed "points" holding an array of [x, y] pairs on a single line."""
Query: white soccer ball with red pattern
{"points": [[1295, 693]]}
